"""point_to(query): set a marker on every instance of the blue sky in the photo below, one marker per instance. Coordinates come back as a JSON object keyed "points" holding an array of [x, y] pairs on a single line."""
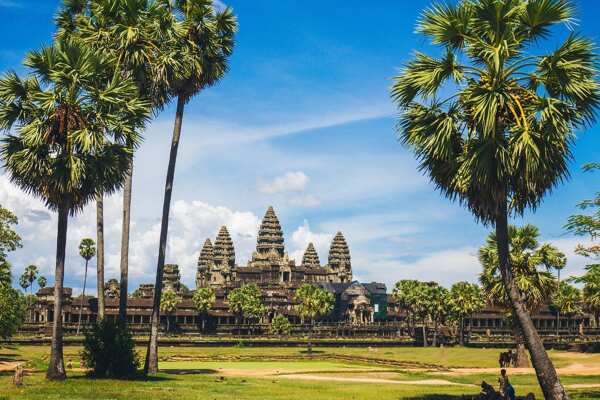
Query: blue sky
{"points": [[302, 122]]}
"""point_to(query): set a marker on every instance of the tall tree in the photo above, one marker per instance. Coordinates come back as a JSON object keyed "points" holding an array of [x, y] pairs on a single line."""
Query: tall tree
{"points": [[568, 301], [168, 305], [204, 49], [588, 225], [87, 250], [404, 294], [12, 303], [437, 308], [313, 302], [67, 123], [465, 299], [42, 281], [502, 139], [26, 281], [204, 300], [531, 264], [139, 35]]}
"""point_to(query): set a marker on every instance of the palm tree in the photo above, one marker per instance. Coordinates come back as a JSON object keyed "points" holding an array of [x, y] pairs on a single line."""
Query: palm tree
{"points": [[87, 250], [502, 139], [313, 302], [168, 305], [42, 281], [404, 293], [437, 307], [204, 49], [67, 123], [591, 290], [138, 34], [204, 299], [568, 301], [531, 264], [31, 274], [464, 299]]}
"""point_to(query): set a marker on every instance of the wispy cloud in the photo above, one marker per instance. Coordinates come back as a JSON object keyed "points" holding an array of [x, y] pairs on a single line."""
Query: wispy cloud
{"points": [[10, 4]]}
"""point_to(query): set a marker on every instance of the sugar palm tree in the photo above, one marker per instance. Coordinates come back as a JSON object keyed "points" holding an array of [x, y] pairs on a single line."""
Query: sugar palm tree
{"points": [[168, 305], [464, 299], [568, 301], [31, 274], [139, 35], [313, 302], [204, 49], [404, 294], [42, 281], [87, 250], [67, 125], [532, 264], [502, 139], [437, 308], [204, 299]]}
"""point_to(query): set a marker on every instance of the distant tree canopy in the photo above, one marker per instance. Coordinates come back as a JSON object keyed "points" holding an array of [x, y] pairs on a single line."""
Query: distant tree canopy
{"points": [[313, 302], [246, 301], [12, 302]]}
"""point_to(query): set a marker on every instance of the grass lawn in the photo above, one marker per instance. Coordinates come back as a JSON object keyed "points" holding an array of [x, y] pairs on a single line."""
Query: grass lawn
{"points": [[289, 373]]}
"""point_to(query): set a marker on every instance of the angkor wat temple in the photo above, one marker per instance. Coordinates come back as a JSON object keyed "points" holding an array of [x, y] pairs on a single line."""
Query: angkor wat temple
{"points": [[360, 308]]}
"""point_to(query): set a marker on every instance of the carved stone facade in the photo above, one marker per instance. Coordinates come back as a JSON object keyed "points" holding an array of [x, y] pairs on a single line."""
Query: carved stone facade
{"points": [[270, 264]]}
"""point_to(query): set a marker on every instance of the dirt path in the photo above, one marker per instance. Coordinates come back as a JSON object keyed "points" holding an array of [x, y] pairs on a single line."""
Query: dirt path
{"points": [[573, 369], [8, 366], [311, 377]]}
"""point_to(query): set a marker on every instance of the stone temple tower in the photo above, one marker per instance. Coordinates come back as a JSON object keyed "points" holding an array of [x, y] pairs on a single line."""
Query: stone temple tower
{"points": [[310, 258], [205, 264], [339, 258], [224, 257], [270, 235]]}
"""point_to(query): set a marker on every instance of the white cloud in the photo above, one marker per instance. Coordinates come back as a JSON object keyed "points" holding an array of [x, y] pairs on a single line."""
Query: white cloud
{"points": [[308, 200], [302, 236], [293, 181], [445, 267]]}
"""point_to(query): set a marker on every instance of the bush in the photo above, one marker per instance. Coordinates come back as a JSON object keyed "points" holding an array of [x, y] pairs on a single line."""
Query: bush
{"points": [[280, 326], [109, 351], [12, 310]]}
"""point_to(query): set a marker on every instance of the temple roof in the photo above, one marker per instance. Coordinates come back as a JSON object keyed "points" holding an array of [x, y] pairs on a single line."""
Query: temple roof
{"points": [[339, 254], [206, 258], [223, 250], [171, 277], [270, 235], [311, 258]]}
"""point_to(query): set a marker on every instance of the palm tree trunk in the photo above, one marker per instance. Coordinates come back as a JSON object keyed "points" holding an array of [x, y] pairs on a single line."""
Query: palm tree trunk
{"points": [[82, 296], [100, 253], [151, 365], [125, 244], [544, 369], [435, 333], [521, 359], [461, 339], [424, 328], [56, 365], [557, 309]]}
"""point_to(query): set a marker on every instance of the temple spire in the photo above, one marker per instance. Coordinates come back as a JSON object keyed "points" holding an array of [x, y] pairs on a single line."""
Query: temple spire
{"points": [[270, 235], [205, 264], [224, 253], [310, 258], [339, 258]]}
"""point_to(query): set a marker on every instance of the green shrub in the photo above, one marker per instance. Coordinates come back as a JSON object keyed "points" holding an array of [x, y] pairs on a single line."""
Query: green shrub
{"points": [[280, 326], [109, 351]]}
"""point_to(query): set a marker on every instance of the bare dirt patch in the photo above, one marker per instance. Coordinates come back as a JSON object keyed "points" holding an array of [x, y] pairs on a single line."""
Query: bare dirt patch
{"points": [[8, 365]]}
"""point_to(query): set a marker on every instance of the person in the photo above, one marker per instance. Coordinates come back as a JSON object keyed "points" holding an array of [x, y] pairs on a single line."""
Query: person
{"points": [[506, 389]]}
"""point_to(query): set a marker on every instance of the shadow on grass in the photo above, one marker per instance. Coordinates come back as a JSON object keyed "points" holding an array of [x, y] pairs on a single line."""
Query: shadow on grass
{"points": [[440, 397], [312, 352], [135, 378], [586, 395], [187, 371]]}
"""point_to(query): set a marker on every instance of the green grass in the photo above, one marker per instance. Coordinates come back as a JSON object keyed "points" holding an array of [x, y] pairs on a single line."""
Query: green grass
{"points": [[195, 373]]}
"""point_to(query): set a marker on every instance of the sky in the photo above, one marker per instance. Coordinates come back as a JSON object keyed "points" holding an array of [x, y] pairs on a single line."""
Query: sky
{"points": [[303, 122]]}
